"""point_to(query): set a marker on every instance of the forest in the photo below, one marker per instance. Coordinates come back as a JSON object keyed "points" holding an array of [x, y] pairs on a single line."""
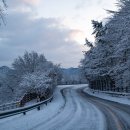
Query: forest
{"points": [[107, 64]]}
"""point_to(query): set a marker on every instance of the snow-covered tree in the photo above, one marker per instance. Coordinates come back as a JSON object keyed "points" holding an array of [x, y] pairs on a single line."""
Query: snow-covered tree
{"points": [[88, 43], [32, 71], [2, 8], [111, 53], [29, 63], [37, 81], [6, 93]]}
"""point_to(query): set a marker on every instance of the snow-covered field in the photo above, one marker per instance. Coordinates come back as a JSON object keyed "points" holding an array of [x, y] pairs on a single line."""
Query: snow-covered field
{"points": [[67, 111], [123, 99]]}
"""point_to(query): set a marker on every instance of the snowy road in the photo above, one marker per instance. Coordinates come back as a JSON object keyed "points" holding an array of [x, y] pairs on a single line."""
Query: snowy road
{"points": [[117, 115], [75, 114], [72, 109]]}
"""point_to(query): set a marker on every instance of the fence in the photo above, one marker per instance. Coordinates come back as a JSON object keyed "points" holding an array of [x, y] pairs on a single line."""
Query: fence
{"points": [[10, 106], [24, 109], [115, 94], [26, 98], [123, 90]]}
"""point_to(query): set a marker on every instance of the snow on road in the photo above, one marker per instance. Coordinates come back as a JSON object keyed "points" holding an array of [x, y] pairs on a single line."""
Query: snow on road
{"points": [[117, 115], [68, 111], [122, 100], [34, 117]]}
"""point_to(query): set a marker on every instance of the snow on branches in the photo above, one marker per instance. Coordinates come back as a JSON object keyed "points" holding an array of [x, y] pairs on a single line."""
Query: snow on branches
{"points": [[32, 72], [36, 81], [111, 53]]}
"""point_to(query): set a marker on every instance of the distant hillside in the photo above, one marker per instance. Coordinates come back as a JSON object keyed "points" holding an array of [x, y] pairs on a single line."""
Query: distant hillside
{"points": [[3, 71], [5, 92], [72, 75], [71, 71]]}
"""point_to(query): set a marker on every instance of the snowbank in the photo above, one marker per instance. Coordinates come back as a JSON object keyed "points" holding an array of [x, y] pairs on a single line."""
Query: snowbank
{"points": [[119, 99]]}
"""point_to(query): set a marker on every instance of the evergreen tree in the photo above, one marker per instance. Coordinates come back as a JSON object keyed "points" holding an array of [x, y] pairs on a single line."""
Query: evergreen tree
{"points": [[111, 53]]}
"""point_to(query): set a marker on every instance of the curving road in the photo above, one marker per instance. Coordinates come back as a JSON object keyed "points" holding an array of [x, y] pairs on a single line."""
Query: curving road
{"points": [[73, 109], [73, 115], [116, 115]]}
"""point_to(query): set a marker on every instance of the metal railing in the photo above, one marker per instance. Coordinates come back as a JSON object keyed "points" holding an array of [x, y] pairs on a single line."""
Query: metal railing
{"points": [[23, 110], [9, 106], [113, 93], [23, 100]]}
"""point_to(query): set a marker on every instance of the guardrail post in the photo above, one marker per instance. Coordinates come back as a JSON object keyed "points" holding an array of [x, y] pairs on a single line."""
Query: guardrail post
{"points": [[51, 100], [38, 108], [24, 113], [22, 110], [126, 90]]}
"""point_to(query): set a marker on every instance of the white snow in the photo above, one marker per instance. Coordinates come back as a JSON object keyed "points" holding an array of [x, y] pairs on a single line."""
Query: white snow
{"points": [[122, 99], [71, 113], [34, 117], [73, 86], [31, 102]]}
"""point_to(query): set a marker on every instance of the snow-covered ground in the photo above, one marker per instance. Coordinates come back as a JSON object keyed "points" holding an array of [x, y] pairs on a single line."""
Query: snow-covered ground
{"points": [[123, 99], [34, 101], [67, 111], [73, 86]]}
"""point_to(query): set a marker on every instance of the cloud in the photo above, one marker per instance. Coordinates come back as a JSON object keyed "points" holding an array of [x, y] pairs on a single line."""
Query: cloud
{"points": [[44, 35], [97, 4], [20, 2], [77, 35], [32, 2]]}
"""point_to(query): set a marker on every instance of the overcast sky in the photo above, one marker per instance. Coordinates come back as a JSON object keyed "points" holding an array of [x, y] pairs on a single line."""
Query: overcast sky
{"points": [[56, 28]]}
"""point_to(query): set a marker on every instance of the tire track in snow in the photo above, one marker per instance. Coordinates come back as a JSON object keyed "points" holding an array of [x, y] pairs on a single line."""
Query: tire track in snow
{"points": [[62, 91], [71, 112], [30, 124], [78, 116], [65, 116], [116, 116]]}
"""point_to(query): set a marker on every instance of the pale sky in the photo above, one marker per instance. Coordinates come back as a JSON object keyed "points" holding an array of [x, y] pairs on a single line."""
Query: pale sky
{"points": [[56, 28], [76, 14]]}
